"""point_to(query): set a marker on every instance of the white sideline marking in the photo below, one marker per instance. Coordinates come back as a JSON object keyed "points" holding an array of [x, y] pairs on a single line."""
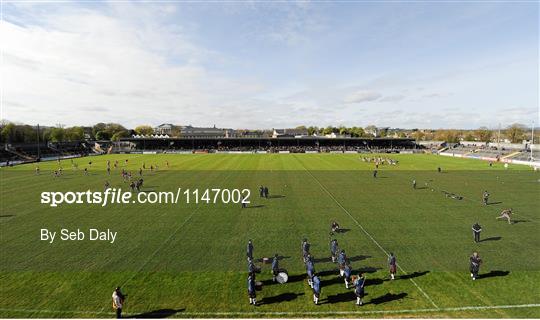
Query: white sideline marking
{"points": [[369, 235], [466, 308]]}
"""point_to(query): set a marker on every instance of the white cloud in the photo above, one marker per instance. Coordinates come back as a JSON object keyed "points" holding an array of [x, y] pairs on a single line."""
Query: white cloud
{"points": [[362, 96], [82, 60]]}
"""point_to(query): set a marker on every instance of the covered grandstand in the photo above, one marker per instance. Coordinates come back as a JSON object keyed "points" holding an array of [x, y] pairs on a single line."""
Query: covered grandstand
{"points": [[285, 144]]}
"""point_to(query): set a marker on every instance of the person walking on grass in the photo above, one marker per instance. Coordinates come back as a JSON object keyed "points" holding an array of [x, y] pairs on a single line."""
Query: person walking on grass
{"points": [[475, 261], [118, 302], [476, 228], [359, 283], [251, 290], [347, 272], [393, 265], [249, 250], [316, 288], [305, 249], [275, 267], [334, 247]]}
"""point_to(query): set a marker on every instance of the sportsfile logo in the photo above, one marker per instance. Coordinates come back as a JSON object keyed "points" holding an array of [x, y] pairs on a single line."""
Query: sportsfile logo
{"points": [[117, 196]]}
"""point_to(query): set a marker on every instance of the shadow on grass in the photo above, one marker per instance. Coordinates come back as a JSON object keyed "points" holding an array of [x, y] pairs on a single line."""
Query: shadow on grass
{"points": [[368, 269], [518, 221], [328, 272], [331, 281], [415, 274], [373, 282], [281, 298], [296, 278], [341, 297], [358, 258], [387, 298], [156, 314], [493, 203], [7, 215], [491, 239], [327, 259], [494, 273]]}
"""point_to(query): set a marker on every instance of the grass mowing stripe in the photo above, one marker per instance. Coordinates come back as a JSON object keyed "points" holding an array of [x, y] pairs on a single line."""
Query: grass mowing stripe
{"points": [[168, 239], [367, 233], [159, 248], [465, 308]]}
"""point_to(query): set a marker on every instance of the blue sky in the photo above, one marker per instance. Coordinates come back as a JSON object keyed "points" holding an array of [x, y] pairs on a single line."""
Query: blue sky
{"points": [[272, 64]]}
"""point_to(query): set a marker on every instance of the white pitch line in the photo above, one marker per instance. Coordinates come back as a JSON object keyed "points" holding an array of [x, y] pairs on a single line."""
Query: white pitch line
{"points": [[369, 235], [225, 313]]}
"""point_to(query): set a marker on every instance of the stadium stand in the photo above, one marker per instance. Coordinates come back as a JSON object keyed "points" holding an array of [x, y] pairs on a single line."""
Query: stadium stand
{"points": [[272, 145], [31, 152]]}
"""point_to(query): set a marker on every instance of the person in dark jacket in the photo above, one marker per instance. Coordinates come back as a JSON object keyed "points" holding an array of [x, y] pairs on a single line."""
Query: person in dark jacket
{"points": [[393, 265], [251, 290], [359, 283], [275, 267], [476, 228], [475, 262], [249, 250], [316, 288]]}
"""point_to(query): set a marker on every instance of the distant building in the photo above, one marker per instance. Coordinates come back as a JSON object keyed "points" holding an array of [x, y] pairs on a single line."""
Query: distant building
{"points": [[201, 132], [281, 133], [245, 133], [165, 128], [334, 135], [377, 131]]}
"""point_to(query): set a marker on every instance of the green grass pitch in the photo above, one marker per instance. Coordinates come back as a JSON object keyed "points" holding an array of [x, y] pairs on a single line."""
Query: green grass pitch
{"points": [[188, 260]]}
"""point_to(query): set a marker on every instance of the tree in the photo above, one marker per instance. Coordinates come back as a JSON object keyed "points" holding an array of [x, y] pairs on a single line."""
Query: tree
{"points": [[371, 129], [401, 134], [120, 134], [102, 135], [8, 132], [57, 134], [312, 130], [483, 134], [144, 130], [97, 128], [74, 133], [448, 135], [357, 132], [113, 128], [469, 136], [329, 130], [515, 132]]}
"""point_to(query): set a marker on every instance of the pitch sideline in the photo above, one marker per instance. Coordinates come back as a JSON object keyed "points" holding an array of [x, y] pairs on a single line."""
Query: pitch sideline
{"points": [[427, 310]]}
